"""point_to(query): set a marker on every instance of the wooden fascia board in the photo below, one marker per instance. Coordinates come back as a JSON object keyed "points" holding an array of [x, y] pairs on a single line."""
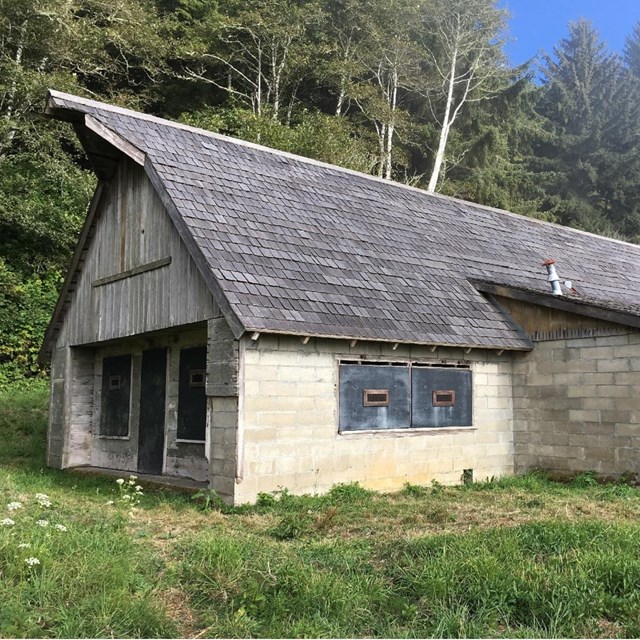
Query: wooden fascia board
{"points": [[305, 333], [53, 110], [236, 325], [114, 139], [84, 121], [560, 303], [94, 161], [58, 313]]}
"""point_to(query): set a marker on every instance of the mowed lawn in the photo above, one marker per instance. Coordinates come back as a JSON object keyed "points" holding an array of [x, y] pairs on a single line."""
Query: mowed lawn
{"points": [[523, 557]]}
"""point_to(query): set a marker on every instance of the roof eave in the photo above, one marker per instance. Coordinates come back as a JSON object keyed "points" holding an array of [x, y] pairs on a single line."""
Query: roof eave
{"points": [[590, 309], [527, 344]]}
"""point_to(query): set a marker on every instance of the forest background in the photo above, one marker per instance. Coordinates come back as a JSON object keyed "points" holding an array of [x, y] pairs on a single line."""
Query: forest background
{"points": [[417, 91]]}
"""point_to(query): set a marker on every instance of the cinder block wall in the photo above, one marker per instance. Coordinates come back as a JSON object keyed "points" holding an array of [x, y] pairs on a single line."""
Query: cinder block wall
{"points": [[289, 422], [577, 405], [222, 407]]}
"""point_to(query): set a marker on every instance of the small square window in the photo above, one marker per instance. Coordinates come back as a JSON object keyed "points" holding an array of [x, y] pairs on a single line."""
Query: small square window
{"points": [[192, 401], [441, 397], [196, 378], [116, 396], [374, 397]]}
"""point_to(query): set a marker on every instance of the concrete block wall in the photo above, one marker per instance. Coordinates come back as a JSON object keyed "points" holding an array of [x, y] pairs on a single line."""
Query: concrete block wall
{"points": [[80, 407], [70, 407], [222, 424], [288, 422], [577, 405], [223, 353]]}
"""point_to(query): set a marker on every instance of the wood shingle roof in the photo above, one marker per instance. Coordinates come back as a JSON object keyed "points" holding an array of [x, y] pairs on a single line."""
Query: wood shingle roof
{"points": [[291, 245]]}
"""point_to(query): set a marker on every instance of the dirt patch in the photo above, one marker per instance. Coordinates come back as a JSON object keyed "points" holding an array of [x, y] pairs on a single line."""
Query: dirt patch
{"points": [[175, 601]]}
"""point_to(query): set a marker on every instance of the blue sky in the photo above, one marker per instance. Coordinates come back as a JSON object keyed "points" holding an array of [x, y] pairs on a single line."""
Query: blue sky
{"points": [[539, 24]]}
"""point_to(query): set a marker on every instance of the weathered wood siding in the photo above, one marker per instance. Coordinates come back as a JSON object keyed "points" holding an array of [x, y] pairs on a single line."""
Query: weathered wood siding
{"points": [[79, 407], [544, 323], [57, 413], [132, 230]]}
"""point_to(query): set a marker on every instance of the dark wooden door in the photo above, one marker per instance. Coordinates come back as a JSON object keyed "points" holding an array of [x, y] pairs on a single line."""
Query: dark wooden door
{"points": [[152, 411], [192, 405], [116, 395]]}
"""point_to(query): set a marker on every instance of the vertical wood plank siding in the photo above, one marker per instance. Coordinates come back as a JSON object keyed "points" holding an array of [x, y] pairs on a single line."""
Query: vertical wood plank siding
{"points": [[133, 229], [79, 408], [55, 433], [545, 323]]}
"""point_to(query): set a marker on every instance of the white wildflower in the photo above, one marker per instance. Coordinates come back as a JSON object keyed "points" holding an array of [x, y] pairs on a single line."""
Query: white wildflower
{"points": [[109, 503], [126, 497], [24, 545], [13, 506], [60, 527], [134, 478], [120, 481], [138, 488], [43, 499], [32, 561], [7, 522], [42, 523]]}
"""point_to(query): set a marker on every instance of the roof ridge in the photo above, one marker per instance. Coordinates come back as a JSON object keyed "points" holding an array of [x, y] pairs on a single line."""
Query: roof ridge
{"points": [[52, 93]]}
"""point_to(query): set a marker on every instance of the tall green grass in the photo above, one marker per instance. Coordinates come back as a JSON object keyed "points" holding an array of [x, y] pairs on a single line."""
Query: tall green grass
{"points": [[351, 563], [92, 579], [23, 423], [548, 579]]}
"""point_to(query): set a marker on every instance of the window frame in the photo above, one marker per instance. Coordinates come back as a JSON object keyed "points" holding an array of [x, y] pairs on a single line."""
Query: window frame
{"points": [[410, 429]]}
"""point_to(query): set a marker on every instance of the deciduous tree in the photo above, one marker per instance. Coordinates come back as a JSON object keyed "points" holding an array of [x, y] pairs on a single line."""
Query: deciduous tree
{"points": [[465, 57]]}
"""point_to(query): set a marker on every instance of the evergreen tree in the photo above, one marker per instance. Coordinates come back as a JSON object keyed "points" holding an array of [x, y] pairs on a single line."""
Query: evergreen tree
{"points": [[632, 50], [491, 152], [590, 163]]}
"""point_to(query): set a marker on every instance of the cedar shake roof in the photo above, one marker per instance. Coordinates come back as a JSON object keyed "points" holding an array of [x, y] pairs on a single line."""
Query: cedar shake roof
{"points": [[292, 245]]}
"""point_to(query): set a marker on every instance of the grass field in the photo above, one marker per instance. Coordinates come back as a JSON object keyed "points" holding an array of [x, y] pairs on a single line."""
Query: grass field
{"points": [[521, 557]]}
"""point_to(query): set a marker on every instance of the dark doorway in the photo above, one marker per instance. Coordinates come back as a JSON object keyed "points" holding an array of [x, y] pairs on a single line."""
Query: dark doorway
{"points": [[192, 405], [116, 388], [152, 411]]}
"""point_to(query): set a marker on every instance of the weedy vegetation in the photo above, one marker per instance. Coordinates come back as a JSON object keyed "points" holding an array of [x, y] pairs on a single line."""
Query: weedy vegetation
{"points": [[513, 557]]}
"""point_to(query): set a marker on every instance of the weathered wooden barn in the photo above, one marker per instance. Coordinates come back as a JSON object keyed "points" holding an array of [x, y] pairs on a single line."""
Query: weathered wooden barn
{"points": [[256, 320]]}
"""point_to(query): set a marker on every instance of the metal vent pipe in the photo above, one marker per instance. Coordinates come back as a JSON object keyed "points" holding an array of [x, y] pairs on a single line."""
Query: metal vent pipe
{"points": [[552, 277]]}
